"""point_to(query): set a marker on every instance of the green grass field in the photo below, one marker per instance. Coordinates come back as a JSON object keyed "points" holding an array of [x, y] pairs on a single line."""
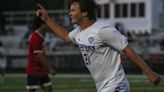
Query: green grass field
{"points": [[76, 83]]}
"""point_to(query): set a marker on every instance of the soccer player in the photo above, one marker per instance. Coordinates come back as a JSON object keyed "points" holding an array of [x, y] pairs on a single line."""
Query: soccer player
{"points": [[38, 67], [101, 46], [3, 62]]}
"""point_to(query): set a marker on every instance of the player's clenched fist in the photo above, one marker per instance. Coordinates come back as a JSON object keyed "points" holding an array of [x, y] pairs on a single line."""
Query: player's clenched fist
{"points": [[154, 78], [42, 12], [52, 71]]}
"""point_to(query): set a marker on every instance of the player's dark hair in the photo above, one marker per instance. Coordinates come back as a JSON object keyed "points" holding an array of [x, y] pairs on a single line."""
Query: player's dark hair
{"points": [[88, 6], [37, 23]]}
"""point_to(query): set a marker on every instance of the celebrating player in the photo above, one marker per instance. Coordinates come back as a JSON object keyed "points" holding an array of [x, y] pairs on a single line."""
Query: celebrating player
{"points": [[101, 46]]}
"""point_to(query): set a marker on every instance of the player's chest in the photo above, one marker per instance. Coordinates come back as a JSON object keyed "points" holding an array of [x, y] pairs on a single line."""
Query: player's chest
{"points": [[87, 41], [88, 38]]}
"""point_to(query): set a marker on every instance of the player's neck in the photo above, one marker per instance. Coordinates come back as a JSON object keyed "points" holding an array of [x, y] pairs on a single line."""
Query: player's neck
{"points": [[40, 30], [86, 24], [40, 33]]}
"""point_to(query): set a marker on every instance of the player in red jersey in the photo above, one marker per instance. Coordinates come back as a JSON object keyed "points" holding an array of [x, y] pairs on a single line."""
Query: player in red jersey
{"points": [[38, 67]]}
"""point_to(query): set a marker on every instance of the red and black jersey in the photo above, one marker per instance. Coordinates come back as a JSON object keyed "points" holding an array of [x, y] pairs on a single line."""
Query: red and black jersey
{"points": [[34, 67]]}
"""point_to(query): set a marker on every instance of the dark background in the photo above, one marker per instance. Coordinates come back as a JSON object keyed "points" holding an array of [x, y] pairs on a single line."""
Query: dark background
{"points": [[20, 5]]}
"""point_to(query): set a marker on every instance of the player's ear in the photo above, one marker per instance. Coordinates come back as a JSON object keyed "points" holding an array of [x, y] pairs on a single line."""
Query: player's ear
{"points": [[84, 14]]}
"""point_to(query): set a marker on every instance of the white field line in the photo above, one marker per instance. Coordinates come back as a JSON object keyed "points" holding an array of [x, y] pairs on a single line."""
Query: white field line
{"points": [[147, 88], [56, 76], [71, 75], [133, 78], [138, 81], [62, 87]]}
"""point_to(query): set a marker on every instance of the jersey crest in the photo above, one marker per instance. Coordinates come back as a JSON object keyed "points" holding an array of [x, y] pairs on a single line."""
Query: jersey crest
{"points": [[91, 39]]}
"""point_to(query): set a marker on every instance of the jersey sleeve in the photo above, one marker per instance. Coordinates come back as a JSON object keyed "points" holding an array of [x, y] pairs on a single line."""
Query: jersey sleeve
{"points": [[72, 35], [113, 38]]}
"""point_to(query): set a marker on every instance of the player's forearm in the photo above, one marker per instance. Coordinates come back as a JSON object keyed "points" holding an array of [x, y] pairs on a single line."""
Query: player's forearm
{"points": [[43, 60], [135, 58], [58, 29]]}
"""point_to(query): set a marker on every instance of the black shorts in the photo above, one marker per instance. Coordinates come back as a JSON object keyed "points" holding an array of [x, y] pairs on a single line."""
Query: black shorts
{"points": [[36, 82]]}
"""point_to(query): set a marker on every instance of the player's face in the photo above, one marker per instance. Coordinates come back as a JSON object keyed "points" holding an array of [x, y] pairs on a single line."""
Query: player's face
{"points": [[75, 14]]}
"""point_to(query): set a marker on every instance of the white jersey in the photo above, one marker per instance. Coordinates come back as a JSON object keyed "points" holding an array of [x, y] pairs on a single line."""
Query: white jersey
{"points": [[101, 45]]}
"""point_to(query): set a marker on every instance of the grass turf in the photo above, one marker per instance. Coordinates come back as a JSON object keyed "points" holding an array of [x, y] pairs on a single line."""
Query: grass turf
{"points": [[76, 83]]}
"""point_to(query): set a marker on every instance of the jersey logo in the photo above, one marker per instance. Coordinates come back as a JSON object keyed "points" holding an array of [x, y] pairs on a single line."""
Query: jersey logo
{"points": [[91, 39]]}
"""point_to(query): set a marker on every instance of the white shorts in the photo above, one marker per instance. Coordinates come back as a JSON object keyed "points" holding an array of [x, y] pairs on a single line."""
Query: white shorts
{"points": [[121, 87]]}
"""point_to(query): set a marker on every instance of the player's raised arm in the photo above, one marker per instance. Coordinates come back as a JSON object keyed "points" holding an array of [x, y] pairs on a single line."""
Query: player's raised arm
{"points": [[56, 28], [135, 58]]}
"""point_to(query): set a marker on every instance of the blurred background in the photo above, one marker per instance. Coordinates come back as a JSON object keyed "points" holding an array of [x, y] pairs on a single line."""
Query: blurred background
{"points": [[142, 21]]}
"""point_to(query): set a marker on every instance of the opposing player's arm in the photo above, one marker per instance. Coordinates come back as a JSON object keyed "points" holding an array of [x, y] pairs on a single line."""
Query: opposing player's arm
{"points": [[56, 28], [135, 58], [44, 60]]}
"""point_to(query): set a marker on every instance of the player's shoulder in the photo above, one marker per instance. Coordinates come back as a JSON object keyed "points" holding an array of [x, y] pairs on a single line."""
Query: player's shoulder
{"points": [[34, 37], [102, 24]]}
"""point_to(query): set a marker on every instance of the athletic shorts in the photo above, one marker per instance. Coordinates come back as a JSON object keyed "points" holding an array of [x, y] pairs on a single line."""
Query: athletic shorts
{"points": [[121, 87], [36, 82]]}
